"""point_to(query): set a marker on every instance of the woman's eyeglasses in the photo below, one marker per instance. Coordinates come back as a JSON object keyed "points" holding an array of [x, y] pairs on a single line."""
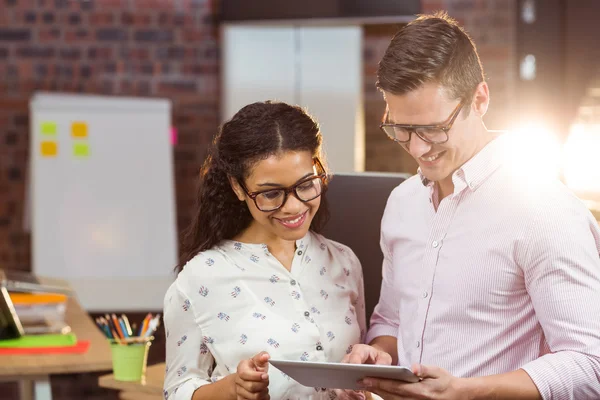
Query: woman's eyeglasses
{"points": [[305, 190]]}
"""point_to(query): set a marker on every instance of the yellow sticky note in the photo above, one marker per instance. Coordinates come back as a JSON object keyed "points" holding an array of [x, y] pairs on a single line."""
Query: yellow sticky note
{"points": [[79, 130], [48, 128], [49, 149], [81, 149]]}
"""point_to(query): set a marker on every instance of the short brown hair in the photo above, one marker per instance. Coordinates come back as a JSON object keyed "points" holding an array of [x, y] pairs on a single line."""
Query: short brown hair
{"points": [[432, 48]]}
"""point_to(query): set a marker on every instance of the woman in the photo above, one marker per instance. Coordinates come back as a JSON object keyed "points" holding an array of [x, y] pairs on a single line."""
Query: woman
{"points": [[257, 280]]}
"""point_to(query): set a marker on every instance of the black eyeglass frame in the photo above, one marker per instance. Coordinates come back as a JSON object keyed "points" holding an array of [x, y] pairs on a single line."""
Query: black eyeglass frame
{"points": [[323, 176], [445, 127]]}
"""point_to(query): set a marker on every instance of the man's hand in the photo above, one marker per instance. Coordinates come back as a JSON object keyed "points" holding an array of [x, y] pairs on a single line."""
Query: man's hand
{"points": [[365, 354], [436, 383], [252, 378], [362, 354]]}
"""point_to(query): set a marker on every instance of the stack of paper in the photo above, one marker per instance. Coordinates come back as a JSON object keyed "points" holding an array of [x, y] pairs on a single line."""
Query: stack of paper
{"points": [[41, 312]]}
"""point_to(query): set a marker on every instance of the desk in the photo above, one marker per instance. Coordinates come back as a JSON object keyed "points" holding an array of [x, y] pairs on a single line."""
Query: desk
{"points": [[33, 371], [151, 389]]}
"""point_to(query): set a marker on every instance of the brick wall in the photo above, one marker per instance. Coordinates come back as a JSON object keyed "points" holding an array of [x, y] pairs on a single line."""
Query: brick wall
{"points": [[492, 25], [157, 48]]}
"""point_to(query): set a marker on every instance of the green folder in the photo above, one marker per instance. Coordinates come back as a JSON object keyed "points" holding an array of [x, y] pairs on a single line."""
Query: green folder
{"points": [[49, 340]]}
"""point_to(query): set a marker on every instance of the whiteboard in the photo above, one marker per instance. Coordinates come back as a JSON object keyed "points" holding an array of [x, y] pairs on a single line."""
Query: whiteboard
{"points": [[102, 197]]}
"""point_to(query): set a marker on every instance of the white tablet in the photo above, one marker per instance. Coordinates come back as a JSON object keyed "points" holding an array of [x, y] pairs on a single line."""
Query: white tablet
{"points": [[338, 375]]}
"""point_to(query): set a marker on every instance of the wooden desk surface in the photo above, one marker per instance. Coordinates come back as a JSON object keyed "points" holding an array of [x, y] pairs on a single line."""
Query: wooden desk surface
{"points": [[97, 358], [155, 377]]}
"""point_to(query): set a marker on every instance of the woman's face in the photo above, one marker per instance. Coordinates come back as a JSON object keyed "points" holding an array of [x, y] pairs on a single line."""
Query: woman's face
{"points": [[281, 171]]}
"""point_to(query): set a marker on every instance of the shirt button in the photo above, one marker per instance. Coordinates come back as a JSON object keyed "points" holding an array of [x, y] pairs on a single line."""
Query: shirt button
{"points": [[293, 282], [418, 344], [306, 314], [435, 243], [299, 252], [319, 347], [425, 294]]}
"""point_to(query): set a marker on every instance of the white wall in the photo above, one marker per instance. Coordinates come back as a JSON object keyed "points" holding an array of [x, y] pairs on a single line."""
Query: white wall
{"points": [[319, 68]]}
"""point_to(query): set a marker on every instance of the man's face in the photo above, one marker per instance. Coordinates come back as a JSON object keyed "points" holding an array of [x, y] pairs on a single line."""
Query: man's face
{"points": [[430, 105]]}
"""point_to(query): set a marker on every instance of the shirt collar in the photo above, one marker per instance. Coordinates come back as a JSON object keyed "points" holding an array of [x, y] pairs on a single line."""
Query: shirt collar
{"points": [[484, 163], [476, 170], [301, 244]]}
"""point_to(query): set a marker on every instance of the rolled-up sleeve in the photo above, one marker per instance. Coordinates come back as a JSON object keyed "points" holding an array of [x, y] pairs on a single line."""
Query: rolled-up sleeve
{"points": [[386, 317], [188, 361], [562, 274]]}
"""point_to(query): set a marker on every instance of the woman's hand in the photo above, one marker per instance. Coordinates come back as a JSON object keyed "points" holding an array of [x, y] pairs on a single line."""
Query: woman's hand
{"points": [[252, 378]]}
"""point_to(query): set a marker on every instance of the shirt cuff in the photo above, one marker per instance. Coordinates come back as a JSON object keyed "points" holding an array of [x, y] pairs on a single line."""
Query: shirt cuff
{"points": [[381, 330], [186, 390], [548, 369]]}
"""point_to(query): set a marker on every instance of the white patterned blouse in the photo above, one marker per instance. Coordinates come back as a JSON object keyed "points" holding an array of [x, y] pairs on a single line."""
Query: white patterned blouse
{"points": [[236, 300]]}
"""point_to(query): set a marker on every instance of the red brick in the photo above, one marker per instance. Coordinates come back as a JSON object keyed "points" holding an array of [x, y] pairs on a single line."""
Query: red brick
{"points": [[11, 104], [136, 19], [193, 35], [27, 4], [199, 69], [100, 53], [80, 35], [153, 4], [430, 6], [116, 4], [48, 35], [135, 53], [101, 18]]}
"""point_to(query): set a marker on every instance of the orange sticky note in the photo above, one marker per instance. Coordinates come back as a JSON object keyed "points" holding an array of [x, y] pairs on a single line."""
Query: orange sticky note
{"points": [[81, 149], [48, 149], [48, 128], [79, 130]]}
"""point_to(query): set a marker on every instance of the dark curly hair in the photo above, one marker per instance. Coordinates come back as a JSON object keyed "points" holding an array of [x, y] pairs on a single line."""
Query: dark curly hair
{"points": [[255, 132]]}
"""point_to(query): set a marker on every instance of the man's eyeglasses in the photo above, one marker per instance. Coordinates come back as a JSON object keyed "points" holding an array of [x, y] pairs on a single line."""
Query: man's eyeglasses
{"points": [[435, 134], [305, 190]]}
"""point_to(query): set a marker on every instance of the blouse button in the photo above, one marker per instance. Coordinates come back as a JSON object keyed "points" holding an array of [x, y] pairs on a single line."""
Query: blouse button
{"points": [[293, 282], [319, 347], [299, 252], [306, 314]]}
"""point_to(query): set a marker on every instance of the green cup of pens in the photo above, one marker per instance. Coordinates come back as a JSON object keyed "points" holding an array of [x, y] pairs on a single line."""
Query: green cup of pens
{"points": [[129, 345]]}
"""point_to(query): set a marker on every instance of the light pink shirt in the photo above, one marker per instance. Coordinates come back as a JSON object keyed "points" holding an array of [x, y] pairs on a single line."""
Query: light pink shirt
{"points": [[504, 275]]}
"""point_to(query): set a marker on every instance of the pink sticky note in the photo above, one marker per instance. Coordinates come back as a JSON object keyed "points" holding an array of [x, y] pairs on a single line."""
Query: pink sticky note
{"points": [[173, 136]]}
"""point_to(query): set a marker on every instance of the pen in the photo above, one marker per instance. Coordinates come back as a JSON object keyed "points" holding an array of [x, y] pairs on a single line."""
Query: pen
{"points": [[152, 325], [127, 326], [117, 326], [144, 324], [123, 328]]}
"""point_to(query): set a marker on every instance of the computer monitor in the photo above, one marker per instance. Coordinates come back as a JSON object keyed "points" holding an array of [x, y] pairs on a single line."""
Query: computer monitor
{"points": [[356, 202]]}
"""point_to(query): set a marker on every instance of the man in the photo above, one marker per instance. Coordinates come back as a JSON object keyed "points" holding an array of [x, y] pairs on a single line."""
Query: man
{"points": [[491, 275]]}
